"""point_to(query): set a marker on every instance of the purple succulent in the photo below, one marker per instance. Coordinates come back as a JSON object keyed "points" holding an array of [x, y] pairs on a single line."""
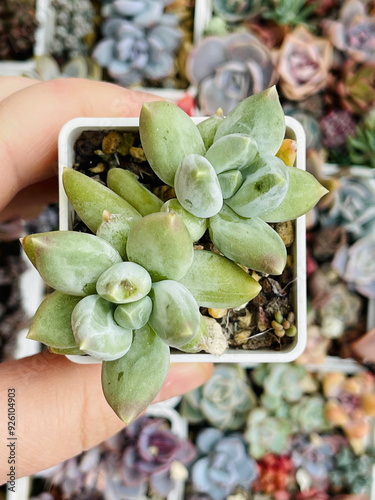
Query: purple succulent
{"points": [[228, 69], [356, 265], [336, 127], [224, 464], [354, 32]]}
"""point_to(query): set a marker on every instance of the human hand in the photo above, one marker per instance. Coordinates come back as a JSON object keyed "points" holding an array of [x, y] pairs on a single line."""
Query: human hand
{"points": [[60, 408]]}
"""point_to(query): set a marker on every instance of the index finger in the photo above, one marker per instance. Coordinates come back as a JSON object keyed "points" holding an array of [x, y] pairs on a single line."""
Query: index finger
{"points": [[31, 119]]}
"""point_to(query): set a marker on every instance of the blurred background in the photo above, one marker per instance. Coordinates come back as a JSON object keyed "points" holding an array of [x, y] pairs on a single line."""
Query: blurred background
{"points": [[302, 430]]}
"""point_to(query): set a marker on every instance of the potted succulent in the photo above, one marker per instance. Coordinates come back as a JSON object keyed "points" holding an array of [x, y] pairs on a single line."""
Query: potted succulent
{"points": [[130, 291]]}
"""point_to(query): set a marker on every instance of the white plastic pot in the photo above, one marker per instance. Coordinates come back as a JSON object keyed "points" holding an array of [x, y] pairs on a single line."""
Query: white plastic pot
{"points": [[70, 133]]}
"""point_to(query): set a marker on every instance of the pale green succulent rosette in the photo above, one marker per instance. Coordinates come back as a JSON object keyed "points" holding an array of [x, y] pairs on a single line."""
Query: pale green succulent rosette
{"points": [[131, 382]]}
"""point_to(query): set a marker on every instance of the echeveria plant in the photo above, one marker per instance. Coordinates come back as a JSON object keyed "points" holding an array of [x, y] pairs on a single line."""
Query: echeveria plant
{"points": [[132, 289]]}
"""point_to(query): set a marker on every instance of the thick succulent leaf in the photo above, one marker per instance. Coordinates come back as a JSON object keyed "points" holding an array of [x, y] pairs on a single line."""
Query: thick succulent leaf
{"points": [[89, 199], [230, 182], [168, 135], [124, 282], [260, 116], [71, 351], [210, 338], [303, 194], [126, 185], [217, 282], [132, 382], [198, 342], [195, 225], [162, 245], [234, 151], [114, 229], [175, 314], [249, 242], [197, 187], [134, 315], [51, 324], [263, 189], [96, 331], [68, 261], [208, 128]]}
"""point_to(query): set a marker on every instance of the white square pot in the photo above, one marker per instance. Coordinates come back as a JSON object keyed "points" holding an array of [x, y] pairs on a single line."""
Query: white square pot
{"points": [[70, 133]]}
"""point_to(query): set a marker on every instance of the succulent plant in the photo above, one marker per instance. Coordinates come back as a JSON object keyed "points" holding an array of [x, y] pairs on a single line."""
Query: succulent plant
{"points": [[228, 69], [289, 12], [144, 13], [266, 433], [308, 414], [304, 62], [236, 10], [74, 23], [353, 33], [274, 475], [336, 127], [362, 145], [47, 68], [356, 266], [17, 29], [355, 86], [223, 464], [145, 454], [351, 473], [134, 287], [132, 52], [224, 401]]}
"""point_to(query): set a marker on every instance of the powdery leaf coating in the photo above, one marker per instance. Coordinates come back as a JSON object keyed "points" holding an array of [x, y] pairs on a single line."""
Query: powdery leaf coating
{"points": [[128, 187], [124, 282], [207, 128], [96, 331], [114, 229], [52, 322], [89, 199], [131, 383], [233, 151], [69, 261], [175, 314], [250, 242], [304, 191], [197, 187], [134, 315], [195, 225], [168, 135], [218, 282], [265, 185], [161, 244], [259, 116], [230, 182]]}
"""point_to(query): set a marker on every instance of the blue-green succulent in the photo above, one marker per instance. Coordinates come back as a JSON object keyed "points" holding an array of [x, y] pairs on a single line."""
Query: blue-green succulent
{"points": [[131, 290]]}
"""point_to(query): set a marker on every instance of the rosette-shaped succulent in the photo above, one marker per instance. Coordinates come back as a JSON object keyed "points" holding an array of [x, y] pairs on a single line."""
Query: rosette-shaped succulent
{"points": [[236, 10], [74, 22], [304, 62], [355, 264], [353, 205], [336, 127], [362, 146], [287, 13], [266, 433], [356, 86], [144, 13], [223, 465], [308, 414], [228, 69], [352, 473], [132, 53], [224, 401], [354, 32], [274, 475], [119, 311], [238, 192]]}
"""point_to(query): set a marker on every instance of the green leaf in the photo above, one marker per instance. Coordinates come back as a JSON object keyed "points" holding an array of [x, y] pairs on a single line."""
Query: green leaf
{"points": [[132, 382], [168, 135], [217, 282], [89, 199], [259, 116], [249, 242], [114, 229], [68, 261], [195, 225], [51, 324], [162, 245], [303, 193], [230, 182], [126, 185], [234, 151], [207, 128], [134, 315]]}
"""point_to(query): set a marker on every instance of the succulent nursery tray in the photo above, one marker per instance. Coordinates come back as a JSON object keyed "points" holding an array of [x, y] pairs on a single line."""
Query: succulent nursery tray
{"points": [[68, 136]]}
